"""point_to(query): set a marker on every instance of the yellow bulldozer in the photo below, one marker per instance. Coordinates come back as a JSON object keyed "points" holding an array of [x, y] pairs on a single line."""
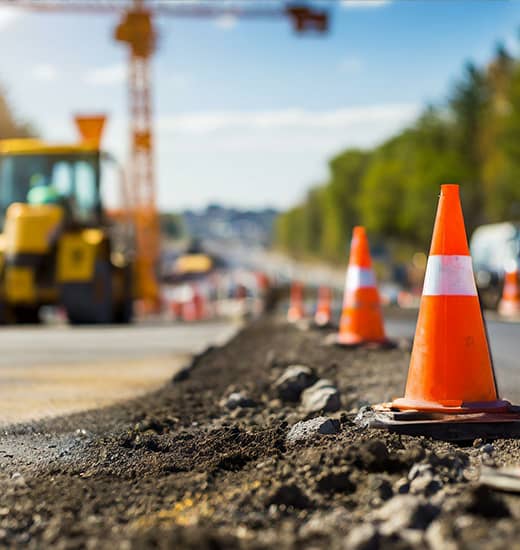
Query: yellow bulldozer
{"points": [[59, 245]]}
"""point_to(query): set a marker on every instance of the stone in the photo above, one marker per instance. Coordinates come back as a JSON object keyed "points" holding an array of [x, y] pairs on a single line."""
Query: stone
{"points": [[321, 396], [405, 512], [289, 495], [335, 481], [426, 485], [363, 537], [293, 381], [308, 429], [237, 400], [439, 536]]}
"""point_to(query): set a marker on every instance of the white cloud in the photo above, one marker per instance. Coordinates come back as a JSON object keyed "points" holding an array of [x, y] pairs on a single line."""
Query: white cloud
{"points": [[106, 76], [8, 15], [364, 3], [44, 72], [226, 22], [286, 119], [350, 65]]}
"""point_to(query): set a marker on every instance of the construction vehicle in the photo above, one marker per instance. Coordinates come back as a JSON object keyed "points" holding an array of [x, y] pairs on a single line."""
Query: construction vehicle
{"points": [[58, 246]]}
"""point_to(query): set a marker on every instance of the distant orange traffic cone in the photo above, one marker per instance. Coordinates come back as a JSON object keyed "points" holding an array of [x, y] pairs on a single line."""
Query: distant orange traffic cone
{"points": [[296, 310], [323, 314], [509, 305], [361, 319], [450, 369]]}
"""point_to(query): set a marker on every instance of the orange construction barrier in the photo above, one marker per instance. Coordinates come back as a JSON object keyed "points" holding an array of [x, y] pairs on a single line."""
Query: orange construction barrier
{"points": [[361, 320], [450, 369], [296, 310], [509, 305], [323, 314]]}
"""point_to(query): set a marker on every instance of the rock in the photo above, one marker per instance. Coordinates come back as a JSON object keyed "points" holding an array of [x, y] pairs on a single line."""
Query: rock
{"points": [[382, 488], [293, 381], [487, 449], [426, 485], [336, 481], [420, 470], [363, 537], [289, 495], [373, 456], [308, 429], [322, 523], [321, 396], [405, 512], [18, 479], [402, 486], [237, 400], [439, 536]]}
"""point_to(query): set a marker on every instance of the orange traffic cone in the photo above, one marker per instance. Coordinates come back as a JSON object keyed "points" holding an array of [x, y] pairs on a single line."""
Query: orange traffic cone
{"points": [[296, 310], [450, 368], [323, 315], [509, 305], [361, 319]]}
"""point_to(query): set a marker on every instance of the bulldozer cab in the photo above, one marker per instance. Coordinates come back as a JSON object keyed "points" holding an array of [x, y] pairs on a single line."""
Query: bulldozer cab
{"points": [[36, 174], [61, 245]]}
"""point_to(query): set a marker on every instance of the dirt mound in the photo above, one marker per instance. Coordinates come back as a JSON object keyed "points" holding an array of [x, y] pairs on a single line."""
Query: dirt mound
{"points": [[180, 468]]}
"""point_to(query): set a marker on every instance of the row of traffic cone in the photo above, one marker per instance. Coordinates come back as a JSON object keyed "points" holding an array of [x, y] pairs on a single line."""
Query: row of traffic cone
{"points": [[450, 368], [361, 318]]}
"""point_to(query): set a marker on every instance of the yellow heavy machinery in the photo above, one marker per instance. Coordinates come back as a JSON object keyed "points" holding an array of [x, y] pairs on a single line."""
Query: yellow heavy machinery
{"points": [[59, 246]]}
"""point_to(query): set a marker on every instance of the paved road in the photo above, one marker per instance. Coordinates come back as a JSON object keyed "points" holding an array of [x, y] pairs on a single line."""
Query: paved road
{"points": [[504, 338], [51, 370]]}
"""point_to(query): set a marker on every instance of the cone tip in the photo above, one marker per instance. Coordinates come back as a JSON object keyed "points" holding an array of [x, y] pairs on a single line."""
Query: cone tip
{"points": [[450, 189]]}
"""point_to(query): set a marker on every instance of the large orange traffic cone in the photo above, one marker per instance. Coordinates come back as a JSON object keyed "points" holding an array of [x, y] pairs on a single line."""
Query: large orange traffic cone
{"points": [[323, 314], [361, 319], [296, 310], [450, 368], [509, 305]]}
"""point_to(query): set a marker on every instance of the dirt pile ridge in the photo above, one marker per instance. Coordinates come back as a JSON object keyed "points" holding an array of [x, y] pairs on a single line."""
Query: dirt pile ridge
{"points": [[206, 462]]}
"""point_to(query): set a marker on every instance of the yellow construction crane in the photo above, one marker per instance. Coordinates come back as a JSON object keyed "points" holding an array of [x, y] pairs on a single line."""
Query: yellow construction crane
{"points": [[136, 29]]}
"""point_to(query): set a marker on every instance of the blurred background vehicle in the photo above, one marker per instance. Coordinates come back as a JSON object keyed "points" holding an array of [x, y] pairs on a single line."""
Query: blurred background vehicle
{"points": [[494, 248]]}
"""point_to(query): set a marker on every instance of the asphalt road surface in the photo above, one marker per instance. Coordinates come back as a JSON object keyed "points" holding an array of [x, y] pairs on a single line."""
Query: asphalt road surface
{"points": [[504, 339], [52, 370]]}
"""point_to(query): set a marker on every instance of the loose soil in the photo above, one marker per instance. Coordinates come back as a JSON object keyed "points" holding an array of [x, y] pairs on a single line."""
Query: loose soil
{"points": [[177, 469]]}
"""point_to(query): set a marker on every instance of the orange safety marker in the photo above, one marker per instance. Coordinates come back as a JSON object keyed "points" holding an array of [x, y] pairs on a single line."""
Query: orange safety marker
{"points": [[450, 369], [323, 315], [509, 305], [296, 310], [361, 319]]}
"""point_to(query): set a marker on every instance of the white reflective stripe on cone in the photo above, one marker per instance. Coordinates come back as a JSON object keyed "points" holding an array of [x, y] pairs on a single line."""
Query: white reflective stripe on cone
{"points": [[359, 277], [449, 276]]}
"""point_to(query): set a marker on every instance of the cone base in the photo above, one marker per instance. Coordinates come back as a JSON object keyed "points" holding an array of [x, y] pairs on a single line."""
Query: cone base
{"points": [[293, 316], [454, 407], [509, 308], [322, 320], [354, 340]]}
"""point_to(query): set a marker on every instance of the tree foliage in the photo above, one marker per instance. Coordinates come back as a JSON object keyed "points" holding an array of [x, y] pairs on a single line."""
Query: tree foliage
{"points": [[10, 126], [473, 139]]}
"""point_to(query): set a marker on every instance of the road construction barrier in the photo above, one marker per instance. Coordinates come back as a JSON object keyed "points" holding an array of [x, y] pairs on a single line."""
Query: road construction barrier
{"points": [[361, 319], [509, 305], [450, 368], [296, 310], [323, 315]]}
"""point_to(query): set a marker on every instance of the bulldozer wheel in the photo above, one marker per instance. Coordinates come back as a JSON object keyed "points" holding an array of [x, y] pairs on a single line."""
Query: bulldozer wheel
{"points": [[123, 311], [90, 302]]}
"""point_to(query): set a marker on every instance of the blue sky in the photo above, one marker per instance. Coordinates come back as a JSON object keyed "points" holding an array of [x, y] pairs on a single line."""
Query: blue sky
{"points": [[247, 113]]}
